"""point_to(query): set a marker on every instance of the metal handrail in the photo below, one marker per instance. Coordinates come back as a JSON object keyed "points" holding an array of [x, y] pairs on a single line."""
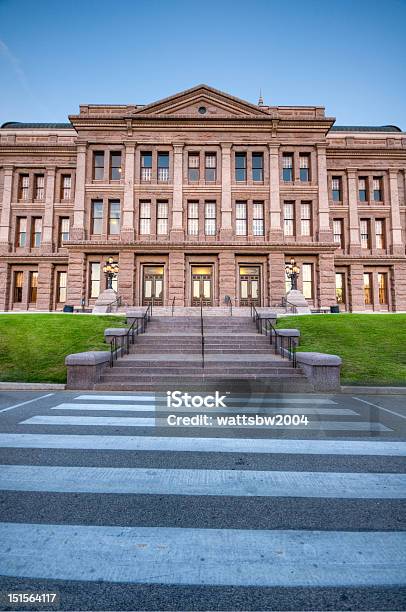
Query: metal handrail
{"points": [[121, 344], [173, 304], [273, 332], [286, 303], [202, 330], [117, 301]]}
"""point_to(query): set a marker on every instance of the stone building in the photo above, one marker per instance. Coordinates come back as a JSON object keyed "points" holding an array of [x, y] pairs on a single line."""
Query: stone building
{"points": [[199, 196]]}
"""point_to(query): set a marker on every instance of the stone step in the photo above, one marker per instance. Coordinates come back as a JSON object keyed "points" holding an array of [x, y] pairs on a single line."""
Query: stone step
{"points": [[170, 378], [270, 370], [288, 385]]}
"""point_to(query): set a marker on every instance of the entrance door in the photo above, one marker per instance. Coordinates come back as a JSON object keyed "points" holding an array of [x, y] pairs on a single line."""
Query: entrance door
{"points": [[250, 287], [153, 285], [202, 286]]}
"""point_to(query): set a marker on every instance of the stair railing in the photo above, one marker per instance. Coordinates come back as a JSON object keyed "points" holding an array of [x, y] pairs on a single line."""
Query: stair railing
{"points": [[202, 330], [288, 305], [173, 305], [120, 345], [263, 325]]}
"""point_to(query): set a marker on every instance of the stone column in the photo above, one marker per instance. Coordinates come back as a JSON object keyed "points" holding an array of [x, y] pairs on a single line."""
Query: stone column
{"points": [[177, 230], [5, 283], [126, 277], [397, 247], [275, 220], [127, 227], [354, 245], [45, 286], [277, 288], [176, 285], [226, 228], [227, 271], [76, 278], [327, 285], [325, 231], [78, 228], [48, 221], [399, 279], [356, 287], [5, 219]]}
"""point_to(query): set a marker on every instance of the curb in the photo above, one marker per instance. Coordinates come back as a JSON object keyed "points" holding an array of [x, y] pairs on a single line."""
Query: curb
{"points": [[16, 386], [374, 390]]}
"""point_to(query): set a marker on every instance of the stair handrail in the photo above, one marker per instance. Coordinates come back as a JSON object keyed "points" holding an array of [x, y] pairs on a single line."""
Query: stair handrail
{"points": [[286, 304], [274, 333], [173, 305], [121, 344], [118, 301], [202, 330]]}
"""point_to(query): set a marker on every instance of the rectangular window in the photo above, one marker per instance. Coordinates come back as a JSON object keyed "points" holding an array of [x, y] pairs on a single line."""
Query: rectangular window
{"points": [[258, 218], [289, 218], [367, 288], [97, 217], [241, 218], [18, 286], [257, 166], [306, 219], [98, 165], [210, 167], [240, 167], [36, 232], [39, 193], [365, 234], [377, 185], [340, 288], [24, 187], [380, 233], [61, 287], [115, 165], [94, 280], [336, 189], [304, 162], [383, 287], [114, 217], [64, 226], [145, 218], [287, 167], [307, 272], [163, 167], [193, 167], [162, 218], [33, 289], [338, 232], [210, 218], [146, 166], [362, 189], [66, 187], [21, 231], [193, 218]]}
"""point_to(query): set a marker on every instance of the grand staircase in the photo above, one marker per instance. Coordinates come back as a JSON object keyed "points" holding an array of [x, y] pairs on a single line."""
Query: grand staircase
{"points": [[236, 358]]}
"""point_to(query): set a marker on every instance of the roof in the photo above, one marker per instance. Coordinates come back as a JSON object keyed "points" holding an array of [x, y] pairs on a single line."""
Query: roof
{"points": [[365, 128], [17, 125]]}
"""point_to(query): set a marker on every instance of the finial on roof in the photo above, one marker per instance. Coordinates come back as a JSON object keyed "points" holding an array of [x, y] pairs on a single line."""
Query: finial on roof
{"points": [[261, 100]]}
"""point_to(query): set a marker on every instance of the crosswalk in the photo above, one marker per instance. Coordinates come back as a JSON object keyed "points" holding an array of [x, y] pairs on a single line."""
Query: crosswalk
{"points": [[287, 469]]}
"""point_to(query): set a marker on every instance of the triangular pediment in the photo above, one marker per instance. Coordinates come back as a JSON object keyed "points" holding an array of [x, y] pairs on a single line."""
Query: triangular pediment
{"points": [[202, 102]]}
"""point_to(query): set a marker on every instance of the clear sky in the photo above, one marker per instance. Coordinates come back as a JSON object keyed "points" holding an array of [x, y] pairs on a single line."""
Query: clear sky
{"points": [[346, 55]]}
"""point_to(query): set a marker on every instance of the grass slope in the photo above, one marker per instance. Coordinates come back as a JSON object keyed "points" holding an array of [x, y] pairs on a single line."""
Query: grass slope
{"points": [[33, 347], [373, 347]]}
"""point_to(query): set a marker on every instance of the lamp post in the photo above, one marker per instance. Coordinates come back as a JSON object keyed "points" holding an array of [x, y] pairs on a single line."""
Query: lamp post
{"points": [[110, 269], [292, 272]]}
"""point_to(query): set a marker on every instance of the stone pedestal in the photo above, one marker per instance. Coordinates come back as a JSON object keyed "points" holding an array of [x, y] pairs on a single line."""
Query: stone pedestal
{"points": [[104, 301], [296, 298]]}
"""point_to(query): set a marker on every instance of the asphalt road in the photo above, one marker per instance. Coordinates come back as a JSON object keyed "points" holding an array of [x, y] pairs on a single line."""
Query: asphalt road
{"points": [[106, 505]]}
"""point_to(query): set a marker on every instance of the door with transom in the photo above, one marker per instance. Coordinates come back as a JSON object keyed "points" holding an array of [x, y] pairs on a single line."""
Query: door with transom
{"points": [[250, 285], [153, 285], [202, 285]]}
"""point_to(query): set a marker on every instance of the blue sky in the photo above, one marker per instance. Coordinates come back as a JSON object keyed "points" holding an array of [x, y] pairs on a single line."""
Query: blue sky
{"points": [[349, 56]]}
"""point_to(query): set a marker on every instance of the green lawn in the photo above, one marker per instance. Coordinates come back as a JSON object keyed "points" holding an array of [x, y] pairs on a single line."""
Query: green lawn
{"points": [[33, 347], [372, 347]]}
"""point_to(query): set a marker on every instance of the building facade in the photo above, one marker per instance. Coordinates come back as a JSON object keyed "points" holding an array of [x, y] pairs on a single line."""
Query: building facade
{"points": [[201, 196]]}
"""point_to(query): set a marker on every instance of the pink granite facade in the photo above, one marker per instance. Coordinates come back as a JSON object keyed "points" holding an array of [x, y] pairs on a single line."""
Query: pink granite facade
{"points": [[199, 196]]}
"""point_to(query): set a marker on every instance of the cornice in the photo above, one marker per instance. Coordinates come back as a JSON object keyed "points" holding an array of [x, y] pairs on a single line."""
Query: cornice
{"points": [[41, 149], [190, 247]]}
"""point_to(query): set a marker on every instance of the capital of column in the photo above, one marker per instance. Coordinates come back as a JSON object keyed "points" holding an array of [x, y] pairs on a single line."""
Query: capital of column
{"points": [[178, 147], [130, 146], [226, 147], [8, 168], [273, 148]]}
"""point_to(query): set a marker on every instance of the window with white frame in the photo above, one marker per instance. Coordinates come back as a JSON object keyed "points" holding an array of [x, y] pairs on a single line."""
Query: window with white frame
{"points": [[362, 189], [240, 166], [66, 187], [98, 165], [241, 218], [64, 226], [377, 187], [336, 188], [306, 218], [210, 218], [61, 284], [163, 167], [162, 217], [21, 231], [383, 287], [257, 166], [307, 280], [380, 233], [24, 187], [340, 287], [338, 232], [39, 187], [114, 217], [210, 167], [115, 165], [289, 218], [258, 218], [193, 218], [287, 167], [36, 232], [97, 217], [193, 167], [94, 279], [145, 217], [365, 234], [304, 163], [146, 166]]}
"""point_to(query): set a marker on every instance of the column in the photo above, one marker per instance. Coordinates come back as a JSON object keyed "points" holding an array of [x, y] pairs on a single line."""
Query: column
{"points": [[78, 228], [5, 219], [76, 278], [397, 248], [48, 220], [226, 228], [45, 286], [356, 287], [227, 272], [277, 288], [327, 285], [354, 246], [275, 221], [127, 227], [177, 230], [399, 286], [325, 232], [126, 277], [176, 285], [5, 283]]}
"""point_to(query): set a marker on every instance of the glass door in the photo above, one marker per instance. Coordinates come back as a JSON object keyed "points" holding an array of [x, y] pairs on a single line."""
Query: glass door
{"points": [[250, 286], [153, 285], [202, 288]]}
